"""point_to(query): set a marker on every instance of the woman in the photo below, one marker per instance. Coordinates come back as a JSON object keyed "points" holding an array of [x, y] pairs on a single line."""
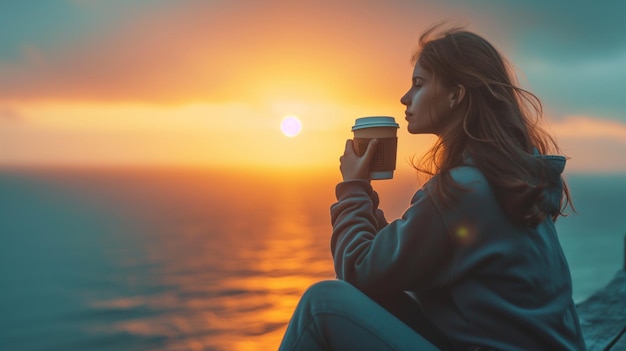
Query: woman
{"points": [[477, 247]]}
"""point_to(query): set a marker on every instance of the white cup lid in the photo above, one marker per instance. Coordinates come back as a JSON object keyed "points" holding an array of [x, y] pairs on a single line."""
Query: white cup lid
{"points": [[375, 121]]}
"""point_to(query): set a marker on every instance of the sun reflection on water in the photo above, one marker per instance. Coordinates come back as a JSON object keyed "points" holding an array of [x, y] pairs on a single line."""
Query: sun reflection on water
{"points": [[229, 289]]}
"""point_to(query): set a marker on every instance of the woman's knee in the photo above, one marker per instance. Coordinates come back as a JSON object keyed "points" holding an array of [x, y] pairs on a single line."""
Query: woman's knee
{"points": [[329, 293], [329, 286]]}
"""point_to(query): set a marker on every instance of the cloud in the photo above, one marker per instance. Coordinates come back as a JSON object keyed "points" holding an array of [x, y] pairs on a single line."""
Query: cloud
{"points": [[10, 115], [573, 56], [572, 30], [211, 52], [153, 55], [581, 29], [593, 144], [592, 86], [218, 51], [585, 128]]}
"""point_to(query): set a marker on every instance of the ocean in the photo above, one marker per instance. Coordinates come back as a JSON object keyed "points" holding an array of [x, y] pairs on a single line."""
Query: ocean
{"points": [[156, 259]]}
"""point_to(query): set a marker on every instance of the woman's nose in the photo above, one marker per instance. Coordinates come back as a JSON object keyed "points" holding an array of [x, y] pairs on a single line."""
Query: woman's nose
{"points": [[404, 100]]}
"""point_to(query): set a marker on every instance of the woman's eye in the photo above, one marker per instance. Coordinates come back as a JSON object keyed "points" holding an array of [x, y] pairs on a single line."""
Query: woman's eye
{"points": [[416, 82]]}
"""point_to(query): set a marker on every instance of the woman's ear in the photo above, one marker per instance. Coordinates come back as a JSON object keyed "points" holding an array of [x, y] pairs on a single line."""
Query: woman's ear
{"points": [[457, 95]]}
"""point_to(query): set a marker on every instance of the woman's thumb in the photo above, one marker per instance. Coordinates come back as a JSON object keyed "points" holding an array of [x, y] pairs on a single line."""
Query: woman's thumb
{"points": [[371, 148]]}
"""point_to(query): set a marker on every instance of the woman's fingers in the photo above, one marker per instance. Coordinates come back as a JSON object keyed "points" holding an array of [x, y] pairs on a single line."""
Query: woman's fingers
{"points": [[354, 166], [349, 147]]}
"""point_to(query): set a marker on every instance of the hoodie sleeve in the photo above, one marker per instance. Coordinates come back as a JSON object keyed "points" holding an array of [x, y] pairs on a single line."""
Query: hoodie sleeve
{"points": [[410, 253]]}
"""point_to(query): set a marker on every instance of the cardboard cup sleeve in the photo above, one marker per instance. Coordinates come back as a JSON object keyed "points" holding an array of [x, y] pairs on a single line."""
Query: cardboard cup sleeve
{"points": [[384, 156]]}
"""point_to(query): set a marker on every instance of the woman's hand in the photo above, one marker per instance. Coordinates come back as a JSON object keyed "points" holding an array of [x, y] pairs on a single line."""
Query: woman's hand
{"points": [[356, 167]]}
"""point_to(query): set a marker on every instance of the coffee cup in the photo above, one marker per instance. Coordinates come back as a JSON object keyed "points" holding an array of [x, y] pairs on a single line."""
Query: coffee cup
{"points": [[384, 129]]}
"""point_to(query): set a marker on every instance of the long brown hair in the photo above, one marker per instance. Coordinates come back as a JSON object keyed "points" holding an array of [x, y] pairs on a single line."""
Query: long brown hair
{"points": [[499, 130]]}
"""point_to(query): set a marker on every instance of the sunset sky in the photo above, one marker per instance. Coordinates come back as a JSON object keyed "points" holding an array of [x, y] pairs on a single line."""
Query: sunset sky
{"points": [[206, 83]]}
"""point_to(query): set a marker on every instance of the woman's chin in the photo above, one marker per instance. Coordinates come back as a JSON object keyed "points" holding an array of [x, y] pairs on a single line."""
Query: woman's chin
{"points": [[417, 130]]}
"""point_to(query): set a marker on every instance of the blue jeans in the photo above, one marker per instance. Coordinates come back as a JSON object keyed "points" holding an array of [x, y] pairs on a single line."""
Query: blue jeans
{"points": [[334, 315]]}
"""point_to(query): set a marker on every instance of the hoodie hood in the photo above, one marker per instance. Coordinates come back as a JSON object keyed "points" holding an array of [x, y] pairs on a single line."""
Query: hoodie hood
{"points": [[553, 192]]}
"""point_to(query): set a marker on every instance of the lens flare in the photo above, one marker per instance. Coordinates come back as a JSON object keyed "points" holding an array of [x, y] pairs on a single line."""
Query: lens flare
{"points": [[291, 126]]}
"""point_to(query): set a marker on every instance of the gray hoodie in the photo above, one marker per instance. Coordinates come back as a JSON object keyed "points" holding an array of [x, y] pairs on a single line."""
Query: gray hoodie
{"points": [[481, 279]]}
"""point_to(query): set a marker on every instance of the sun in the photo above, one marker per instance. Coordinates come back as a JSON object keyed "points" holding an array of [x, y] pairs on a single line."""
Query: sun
{"points": [[291, 126]]}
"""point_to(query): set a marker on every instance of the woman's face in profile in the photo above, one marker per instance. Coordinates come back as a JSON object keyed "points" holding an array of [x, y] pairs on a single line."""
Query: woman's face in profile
{"points": [[427, 103]]}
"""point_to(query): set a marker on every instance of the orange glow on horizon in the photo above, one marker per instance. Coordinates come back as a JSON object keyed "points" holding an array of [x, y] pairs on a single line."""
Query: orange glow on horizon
{"points": [[235, 135], [240, 136]]}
